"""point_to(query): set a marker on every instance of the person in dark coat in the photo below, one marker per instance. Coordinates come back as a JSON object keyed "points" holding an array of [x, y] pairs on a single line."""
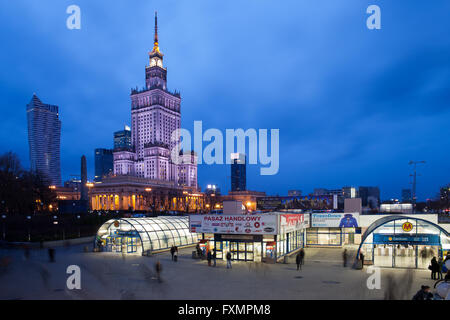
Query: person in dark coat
{"points": [[434, 268], [302, 256], [344, 257], [228, 260], [298, 261], [209, 258], [423, 294], [214, 256], [361, 257], [172, 251]]}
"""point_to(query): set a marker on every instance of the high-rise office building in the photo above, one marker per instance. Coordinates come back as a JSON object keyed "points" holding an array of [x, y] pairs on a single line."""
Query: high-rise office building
{"points": [[44, 133], [122, 139], [103, 163], [349, 192], [406, 196], [84, 188], [238, 172], [155, 115], [370, 196]]}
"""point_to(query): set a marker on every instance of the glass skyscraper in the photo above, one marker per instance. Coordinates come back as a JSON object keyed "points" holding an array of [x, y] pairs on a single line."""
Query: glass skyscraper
{"points": [[44, 133], [122, 139], [238, 172], [103, 163]]}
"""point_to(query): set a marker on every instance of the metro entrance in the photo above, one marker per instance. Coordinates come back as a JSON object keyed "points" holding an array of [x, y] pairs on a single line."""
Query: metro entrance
{"points": [[404, 256]]}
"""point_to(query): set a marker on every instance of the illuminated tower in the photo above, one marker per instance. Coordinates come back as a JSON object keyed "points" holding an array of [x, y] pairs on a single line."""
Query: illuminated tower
{"points": [[155, 115]]}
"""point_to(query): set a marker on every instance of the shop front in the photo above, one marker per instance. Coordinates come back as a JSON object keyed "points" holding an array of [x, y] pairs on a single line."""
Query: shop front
{"points": [[259, 237], [332, 229], [403, 242]]}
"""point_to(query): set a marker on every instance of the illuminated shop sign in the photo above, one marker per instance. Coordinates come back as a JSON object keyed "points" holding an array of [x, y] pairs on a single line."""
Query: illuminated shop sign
{"points": [[234, 224], [425, 239]]}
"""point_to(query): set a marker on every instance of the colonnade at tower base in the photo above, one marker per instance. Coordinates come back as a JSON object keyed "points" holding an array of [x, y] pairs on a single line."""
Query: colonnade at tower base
{"points": [[140, 194]]}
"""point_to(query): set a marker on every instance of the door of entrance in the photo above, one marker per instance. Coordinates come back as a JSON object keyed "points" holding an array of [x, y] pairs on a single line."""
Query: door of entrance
{"points": [[404, 256], [242, 251]]}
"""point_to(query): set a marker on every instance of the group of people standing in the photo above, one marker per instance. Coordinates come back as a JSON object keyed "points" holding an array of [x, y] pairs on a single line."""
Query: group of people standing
{"points": [[437, 266]]}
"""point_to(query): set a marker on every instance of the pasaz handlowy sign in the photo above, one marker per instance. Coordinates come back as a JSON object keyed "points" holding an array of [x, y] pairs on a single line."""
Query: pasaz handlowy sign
{"points": [[233, 224]]}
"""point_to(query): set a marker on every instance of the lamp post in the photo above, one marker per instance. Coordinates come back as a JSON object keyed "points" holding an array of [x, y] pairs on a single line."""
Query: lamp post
{"points": [[29, 228], [79, 233], [4, 226], [55, 223]]}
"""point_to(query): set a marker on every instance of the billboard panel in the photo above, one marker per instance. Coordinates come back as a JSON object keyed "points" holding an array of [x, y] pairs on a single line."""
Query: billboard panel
{"points": [[234, 224], [335, 220], [293, 222], [295, 202]]}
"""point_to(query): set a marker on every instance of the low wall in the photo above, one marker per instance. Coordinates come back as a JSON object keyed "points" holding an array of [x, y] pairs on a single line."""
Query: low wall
{"points": [[49, 244]]}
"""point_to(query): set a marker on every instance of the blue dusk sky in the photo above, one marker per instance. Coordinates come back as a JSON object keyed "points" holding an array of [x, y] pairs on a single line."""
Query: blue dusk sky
{"points": [[353, 105]]}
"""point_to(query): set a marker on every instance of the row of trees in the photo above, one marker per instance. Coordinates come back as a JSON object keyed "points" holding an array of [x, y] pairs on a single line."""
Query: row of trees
{"points": [[22, 191]]}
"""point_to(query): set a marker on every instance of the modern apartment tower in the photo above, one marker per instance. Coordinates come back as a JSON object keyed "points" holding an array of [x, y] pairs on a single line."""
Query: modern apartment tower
{"points": [[238, 172], [103, 163], [155, 115], [44, 134]]}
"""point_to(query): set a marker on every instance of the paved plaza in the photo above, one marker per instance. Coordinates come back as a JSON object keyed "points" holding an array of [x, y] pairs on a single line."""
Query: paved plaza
{"points": [[116, 276]]}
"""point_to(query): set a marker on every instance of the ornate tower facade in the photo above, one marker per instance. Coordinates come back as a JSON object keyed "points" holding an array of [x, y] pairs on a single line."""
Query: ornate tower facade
{"points": [[155, 115]]}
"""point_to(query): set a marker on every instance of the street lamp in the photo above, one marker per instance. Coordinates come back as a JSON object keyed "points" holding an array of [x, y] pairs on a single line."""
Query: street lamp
{"points": [[4, 226], [79, 232], [29, 228]]}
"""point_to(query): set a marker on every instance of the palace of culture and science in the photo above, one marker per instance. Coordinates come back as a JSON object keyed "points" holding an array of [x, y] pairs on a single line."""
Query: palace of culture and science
{"points": [[147, 165]]}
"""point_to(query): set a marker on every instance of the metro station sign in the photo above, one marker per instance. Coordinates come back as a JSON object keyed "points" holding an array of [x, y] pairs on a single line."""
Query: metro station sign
{"points": [[407, 226]]}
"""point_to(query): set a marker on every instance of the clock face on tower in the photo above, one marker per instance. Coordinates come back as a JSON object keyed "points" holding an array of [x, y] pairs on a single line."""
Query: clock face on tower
{"points": [[153, 62], [159, 63]]}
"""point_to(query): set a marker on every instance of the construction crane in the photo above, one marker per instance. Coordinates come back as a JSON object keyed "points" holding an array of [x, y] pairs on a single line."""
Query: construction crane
{"points": [[414, 183]]}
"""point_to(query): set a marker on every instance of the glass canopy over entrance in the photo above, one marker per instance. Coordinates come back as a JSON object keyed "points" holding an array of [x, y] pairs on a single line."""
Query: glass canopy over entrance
{"points": [[139, 235], [403, 242]]}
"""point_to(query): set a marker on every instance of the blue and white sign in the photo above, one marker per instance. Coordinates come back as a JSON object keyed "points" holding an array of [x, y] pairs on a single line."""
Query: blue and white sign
{"points": [[425, 239], [335, 220]]}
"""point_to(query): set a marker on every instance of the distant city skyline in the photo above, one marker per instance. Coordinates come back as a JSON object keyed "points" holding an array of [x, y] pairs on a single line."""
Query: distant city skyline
{"points": [[353, 106]]}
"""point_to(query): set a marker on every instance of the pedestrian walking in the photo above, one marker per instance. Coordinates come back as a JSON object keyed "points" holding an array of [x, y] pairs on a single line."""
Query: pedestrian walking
{"points": [[302, 256], [209, 258], [51, 254], [158, 269], [214, 256], [199, 251], [440, 266], [228, 260], [361, 257], [344, 257], [423, 294], [172, 251], [175, 256], [434, 267], [298, 261]]}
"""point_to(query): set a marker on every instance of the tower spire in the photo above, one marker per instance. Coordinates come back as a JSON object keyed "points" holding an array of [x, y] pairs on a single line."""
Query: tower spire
{"points": [[155, 42]]}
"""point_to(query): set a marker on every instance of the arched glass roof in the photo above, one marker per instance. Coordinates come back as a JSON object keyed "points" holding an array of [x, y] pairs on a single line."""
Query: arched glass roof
{"points": [[154, 233], [387, 221]]}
